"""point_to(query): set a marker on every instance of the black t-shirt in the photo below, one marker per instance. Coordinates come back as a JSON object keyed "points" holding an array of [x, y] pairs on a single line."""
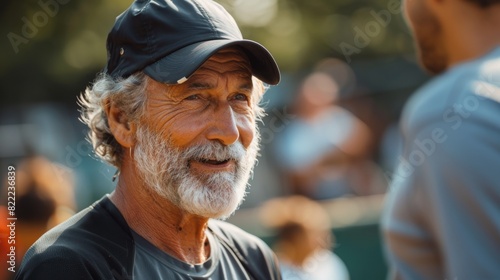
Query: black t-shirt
{"points": [[98, 244]]}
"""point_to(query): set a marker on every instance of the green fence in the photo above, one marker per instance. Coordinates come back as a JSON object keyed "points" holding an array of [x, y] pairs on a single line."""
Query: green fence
{"points": [[360, 247]]}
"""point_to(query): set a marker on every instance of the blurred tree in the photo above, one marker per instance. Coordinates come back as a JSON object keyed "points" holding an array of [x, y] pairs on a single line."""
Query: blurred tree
{"points": [[299, 33], [52, 48]]}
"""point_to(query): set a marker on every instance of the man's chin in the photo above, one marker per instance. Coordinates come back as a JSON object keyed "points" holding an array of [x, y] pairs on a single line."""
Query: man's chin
{"points": [[431, 57], [220, 216], [202, 207], [212, 199], [433, 68], [220, 213]]}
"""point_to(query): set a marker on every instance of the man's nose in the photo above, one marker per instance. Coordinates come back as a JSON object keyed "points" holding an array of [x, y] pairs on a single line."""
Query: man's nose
{"points": [[223, 126]]}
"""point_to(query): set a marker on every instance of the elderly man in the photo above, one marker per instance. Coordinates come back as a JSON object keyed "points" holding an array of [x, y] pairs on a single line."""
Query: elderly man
{"points": [[175, 111], [443, 212]]}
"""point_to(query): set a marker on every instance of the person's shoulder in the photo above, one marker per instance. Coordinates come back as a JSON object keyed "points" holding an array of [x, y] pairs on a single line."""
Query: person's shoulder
{"points": [[427, 104], [62, 236], [459, 81], [454, 95], [85, 242], [56, 261], [57, 253], [487, 80]]}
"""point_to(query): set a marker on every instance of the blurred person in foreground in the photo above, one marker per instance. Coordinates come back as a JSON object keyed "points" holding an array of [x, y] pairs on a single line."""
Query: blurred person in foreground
{"points": [[175, 111], [442, 218], [303, 240], [322, 151]]}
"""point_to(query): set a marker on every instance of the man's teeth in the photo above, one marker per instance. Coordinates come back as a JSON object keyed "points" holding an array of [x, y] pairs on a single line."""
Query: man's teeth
{"points": [[212, 161]]}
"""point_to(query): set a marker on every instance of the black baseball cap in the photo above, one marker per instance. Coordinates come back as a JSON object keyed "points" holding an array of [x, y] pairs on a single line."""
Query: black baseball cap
{"points": [[170, 39]]}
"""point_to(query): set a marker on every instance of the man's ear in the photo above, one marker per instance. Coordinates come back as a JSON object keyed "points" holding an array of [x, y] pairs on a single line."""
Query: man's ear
{"points": [[121, 127]]}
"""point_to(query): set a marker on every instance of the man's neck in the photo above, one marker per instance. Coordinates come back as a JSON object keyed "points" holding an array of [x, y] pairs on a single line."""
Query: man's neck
{"points": [[177, 233]]}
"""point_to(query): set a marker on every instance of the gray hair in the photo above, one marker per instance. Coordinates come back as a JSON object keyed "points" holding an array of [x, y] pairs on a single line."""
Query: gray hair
{"points": [[129, 95]]}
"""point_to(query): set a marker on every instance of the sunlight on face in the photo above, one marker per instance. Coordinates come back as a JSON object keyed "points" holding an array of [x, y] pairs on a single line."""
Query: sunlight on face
{"points": [[197, 141], [166, 170]]}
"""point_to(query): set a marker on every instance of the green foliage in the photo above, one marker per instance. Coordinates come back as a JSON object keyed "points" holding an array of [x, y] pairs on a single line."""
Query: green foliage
{"points": [[63, 45], [61, 48]]}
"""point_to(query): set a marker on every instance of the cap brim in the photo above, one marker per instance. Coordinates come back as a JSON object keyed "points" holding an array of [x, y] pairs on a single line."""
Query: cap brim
{"points": [[181, 64]]}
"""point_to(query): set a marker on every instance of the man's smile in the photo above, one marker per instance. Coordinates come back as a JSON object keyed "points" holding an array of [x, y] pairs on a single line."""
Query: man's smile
{"points": [[214, 164]]}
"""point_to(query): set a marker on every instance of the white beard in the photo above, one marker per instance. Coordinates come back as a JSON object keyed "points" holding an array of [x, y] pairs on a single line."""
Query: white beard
{"points": [[165, 169]]}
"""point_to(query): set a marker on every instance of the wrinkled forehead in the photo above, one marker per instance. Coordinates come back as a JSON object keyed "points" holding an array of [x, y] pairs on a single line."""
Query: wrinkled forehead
{"points": [[231, 59], [230, 62]]}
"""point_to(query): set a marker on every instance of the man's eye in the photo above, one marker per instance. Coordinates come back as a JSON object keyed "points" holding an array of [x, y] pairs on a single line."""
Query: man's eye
{"points": [[241, 97], [193, 97]]}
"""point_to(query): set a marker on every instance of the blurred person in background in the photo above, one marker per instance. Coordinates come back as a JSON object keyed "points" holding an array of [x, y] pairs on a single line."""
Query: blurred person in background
{"points": [[304, 240], [175, 111], [323, 150], [39, 177], [44, 199], [442, 218]]}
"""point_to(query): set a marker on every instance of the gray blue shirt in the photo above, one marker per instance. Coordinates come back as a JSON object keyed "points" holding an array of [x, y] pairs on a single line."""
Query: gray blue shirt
{"points": [[442, 217]]}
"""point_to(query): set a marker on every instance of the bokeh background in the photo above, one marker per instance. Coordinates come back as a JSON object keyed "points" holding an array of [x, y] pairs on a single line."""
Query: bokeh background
{"points": [[51, 50]]}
